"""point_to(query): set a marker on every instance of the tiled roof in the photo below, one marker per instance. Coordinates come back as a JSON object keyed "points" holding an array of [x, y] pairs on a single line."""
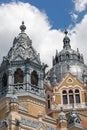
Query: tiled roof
{"points": [[84, 123]]}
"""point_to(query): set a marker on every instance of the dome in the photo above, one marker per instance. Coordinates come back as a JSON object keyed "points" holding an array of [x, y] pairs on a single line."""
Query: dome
{"points": [[67, 60], [61, 116]]}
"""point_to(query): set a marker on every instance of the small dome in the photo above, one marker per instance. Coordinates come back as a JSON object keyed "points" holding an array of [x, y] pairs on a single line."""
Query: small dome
{"points": [[66, 39], [73, 113], [62, 116]]}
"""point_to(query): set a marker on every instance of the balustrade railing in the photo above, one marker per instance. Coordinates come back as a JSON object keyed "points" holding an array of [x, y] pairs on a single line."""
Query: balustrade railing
{"points": [[23, 87]]}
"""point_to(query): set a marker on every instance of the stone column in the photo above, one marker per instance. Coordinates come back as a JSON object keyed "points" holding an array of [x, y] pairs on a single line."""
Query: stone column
{"points": [[10, 88], [27, 76]]}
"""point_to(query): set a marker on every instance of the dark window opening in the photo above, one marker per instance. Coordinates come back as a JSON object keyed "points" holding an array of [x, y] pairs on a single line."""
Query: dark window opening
{"points": [[65, 101], [18, 76], [34, 78], [4, 80], [67, 56], [48, 100], [77, 96], [71, 97]]}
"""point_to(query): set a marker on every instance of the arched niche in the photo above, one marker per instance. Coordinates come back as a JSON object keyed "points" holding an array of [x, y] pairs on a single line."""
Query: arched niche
{"points": [[18, 76], [34, 78]]}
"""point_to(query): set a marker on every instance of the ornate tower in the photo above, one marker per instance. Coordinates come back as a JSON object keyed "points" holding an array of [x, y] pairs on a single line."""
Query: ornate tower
{"points": [[21, 69], [22, 72], [62, 120]]}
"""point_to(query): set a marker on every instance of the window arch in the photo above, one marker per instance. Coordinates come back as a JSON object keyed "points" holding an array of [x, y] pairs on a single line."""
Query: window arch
{"points": [[56, 59], [34, 78], [67, 56], [77, 96], [71, 97], [18, 76], [78, 57], [64, 94]]}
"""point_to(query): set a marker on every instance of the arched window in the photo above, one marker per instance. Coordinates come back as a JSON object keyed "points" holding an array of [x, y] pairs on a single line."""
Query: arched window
{"points": [[67, 56], [4, 79], [60, 58], [77, 96], [64, 94], [71, 97], [56, 58], [34, 78], [48, 101], [18, 76], [78, 57]]}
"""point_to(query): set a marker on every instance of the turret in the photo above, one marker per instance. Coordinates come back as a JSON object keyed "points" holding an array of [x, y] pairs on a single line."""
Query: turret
{"points": [[66, 41], [62, 121], [74, 120]]}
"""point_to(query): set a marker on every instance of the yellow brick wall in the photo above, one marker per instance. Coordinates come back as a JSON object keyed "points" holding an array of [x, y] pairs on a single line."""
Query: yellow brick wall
{"points": [[35, 107], [58, 99], [83, 97]]}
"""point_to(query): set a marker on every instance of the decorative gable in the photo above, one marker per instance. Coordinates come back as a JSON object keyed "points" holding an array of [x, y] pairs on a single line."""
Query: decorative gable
{"points": [[69, 81]]}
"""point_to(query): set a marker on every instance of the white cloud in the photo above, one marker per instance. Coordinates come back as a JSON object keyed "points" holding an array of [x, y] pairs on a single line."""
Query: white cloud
{"points": [[79, 37], [74, 17], [44, 39], [80, 5]]}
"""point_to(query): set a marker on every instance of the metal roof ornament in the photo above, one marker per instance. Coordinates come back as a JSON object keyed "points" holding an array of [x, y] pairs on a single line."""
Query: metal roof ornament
{"points": [[22, 27], [66, 32]]}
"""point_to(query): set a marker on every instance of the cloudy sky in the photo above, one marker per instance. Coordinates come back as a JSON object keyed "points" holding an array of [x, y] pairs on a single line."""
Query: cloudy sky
{"points": [[45, 21]]}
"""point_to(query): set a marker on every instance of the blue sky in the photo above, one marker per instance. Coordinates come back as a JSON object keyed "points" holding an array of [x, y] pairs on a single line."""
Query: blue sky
{"points": [[56, 10], [59, 12], [46, 21]]}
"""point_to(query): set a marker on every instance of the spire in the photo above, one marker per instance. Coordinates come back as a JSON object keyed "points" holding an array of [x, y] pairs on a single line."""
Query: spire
{"points": [[66, 32], [74, 119], [66, 41], [61, 115], [22, 27], [62, 120]]}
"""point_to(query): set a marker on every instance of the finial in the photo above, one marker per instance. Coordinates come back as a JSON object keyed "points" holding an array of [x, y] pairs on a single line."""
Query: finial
{"points": [[22, 27], [66, 32]]}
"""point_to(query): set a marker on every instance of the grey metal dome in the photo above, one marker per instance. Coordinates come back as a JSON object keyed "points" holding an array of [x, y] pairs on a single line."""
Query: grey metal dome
{"points": [[68, 60]]}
